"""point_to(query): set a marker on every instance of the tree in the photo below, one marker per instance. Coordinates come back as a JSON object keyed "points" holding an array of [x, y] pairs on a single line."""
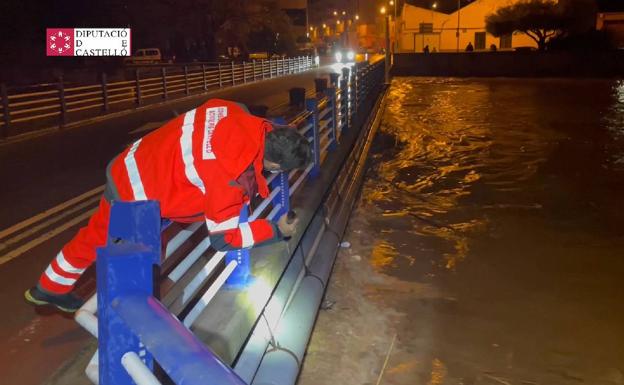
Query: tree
{"points": [[539, 19]]}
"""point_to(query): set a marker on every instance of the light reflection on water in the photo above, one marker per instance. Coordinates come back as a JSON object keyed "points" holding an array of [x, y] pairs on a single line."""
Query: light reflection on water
{"points": [[505, 196]]}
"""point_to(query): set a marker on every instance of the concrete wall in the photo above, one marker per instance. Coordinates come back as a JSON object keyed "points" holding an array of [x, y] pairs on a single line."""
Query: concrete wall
{"points": [[443, 38], [511, 64]]}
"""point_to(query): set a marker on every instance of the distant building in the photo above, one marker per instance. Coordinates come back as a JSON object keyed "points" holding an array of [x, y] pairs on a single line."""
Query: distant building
{"points": [[421, 27], [297, 11], [613, 24]]}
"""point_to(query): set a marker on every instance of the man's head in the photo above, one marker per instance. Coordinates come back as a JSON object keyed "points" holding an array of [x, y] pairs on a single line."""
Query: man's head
{"points": [[285, 149]]}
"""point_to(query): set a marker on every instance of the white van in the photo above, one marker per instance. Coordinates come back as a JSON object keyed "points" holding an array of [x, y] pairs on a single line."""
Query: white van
{"points": [[145, 56]]}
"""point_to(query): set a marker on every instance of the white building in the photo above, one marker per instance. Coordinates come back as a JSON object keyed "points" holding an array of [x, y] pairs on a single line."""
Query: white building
{"points": [[420, 27]]}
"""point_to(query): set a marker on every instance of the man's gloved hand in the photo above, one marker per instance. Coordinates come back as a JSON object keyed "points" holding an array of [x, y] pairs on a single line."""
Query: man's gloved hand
{"points": [[287, 224]]}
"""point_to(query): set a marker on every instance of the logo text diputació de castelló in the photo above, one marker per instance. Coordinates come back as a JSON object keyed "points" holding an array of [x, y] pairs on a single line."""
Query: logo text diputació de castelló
{"points": [[88, 42]]}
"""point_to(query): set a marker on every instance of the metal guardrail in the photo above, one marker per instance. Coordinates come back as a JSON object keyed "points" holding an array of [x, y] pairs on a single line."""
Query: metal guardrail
{"points": [[59, 103], [191, 272]]}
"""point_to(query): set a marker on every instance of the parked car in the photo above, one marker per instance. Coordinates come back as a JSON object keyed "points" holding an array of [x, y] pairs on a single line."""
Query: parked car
{"points": [[145, 56], [258, 55]]}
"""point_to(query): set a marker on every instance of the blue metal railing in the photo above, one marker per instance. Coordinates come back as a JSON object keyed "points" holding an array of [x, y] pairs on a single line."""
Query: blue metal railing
{"points": [[134, 327]]}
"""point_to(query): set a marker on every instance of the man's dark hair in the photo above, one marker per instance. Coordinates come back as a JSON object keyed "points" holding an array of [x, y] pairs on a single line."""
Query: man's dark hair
{"points": [[286, 147]]}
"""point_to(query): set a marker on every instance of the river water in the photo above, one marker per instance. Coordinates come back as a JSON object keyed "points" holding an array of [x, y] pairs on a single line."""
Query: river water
{"points": [[500, 202], [508, 197]]}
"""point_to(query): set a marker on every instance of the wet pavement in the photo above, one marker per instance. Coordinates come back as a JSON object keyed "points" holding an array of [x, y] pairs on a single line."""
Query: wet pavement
{"points": [[487, 245]]}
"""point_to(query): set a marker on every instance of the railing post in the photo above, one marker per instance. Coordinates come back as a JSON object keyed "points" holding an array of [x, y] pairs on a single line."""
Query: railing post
{"points": [[220, 76], [331, 94], [125, 267], [104, 93], [345, 104], [233, 76], [262, 65], [186, 85], [244, 73], [283, 197], [63, 104], [312, 106], [164, 83], [137, 87], [240, 276], [253, 68], [203, 67], [270, 68], [5, 110]]}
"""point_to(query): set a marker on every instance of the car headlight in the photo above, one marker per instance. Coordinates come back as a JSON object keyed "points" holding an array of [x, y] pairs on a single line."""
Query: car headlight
{"points": [[350, 55], [339, 57]]}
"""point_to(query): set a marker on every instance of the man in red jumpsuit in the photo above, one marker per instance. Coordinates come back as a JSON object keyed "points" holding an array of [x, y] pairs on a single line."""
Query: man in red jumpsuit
{"points": [[203, 165]]}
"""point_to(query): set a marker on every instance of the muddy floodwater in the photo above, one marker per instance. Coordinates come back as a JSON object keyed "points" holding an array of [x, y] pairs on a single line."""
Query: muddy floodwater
{"points": [[487, 246]]}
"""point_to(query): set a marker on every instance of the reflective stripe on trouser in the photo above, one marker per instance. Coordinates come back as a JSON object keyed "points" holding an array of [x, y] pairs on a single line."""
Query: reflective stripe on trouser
{"points": [[77, 255]]}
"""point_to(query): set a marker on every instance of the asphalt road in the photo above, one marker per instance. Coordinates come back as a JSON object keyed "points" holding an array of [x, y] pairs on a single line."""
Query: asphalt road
{"points": [[51, 184]]}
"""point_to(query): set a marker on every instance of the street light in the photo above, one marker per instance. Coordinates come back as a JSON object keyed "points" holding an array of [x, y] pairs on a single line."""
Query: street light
{"points": [[335, 13], [357, 17], [387, 58]]}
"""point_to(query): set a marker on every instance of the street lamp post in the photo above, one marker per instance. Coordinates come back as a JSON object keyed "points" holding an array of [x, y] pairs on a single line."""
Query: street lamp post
{"points": [[387, 58], [458, 12]]}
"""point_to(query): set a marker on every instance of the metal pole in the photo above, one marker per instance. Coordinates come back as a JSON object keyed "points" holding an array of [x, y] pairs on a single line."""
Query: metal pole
{"points": [[61, 90], [164, 82], [137, 87], [387, 62], [457, 33], [233, 80], [220, 77], [253, 68], [204, 77], [104, 93], [186, 85], [5, 110]]}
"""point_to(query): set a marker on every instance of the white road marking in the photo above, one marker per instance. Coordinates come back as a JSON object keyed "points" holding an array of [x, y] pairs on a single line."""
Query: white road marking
{"points": [[53, 210], [44, 237], [34, 229]]}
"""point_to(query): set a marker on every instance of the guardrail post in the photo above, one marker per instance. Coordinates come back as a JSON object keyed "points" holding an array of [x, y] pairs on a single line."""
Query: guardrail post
{"points": [[283, 197], [186, 85], [240, 276], [244, 72], [331, 94], [203, 67], [262, 65], [6, 113], [312, 106], [253, 68], [220, 76], [125, 267], [345, 104], [104, 93], [137, 87], [233, 76], [164, 83], [270, 68], [63, 104]]}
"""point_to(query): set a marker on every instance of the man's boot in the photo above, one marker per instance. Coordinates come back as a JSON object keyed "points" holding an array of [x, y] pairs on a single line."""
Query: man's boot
{"points": [[65, 302]]}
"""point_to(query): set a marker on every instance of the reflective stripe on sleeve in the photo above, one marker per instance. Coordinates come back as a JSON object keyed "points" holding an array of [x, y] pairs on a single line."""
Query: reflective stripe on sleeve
{"points": [[66, 266], [246, 235], [133, 173], [186, 145], [229, 224]]}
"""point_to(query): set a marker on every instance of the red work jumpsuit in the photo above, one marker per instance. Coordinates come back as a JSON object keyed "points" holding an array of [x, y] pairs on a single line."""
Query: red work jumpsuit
{"points": [[190, 165]]}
